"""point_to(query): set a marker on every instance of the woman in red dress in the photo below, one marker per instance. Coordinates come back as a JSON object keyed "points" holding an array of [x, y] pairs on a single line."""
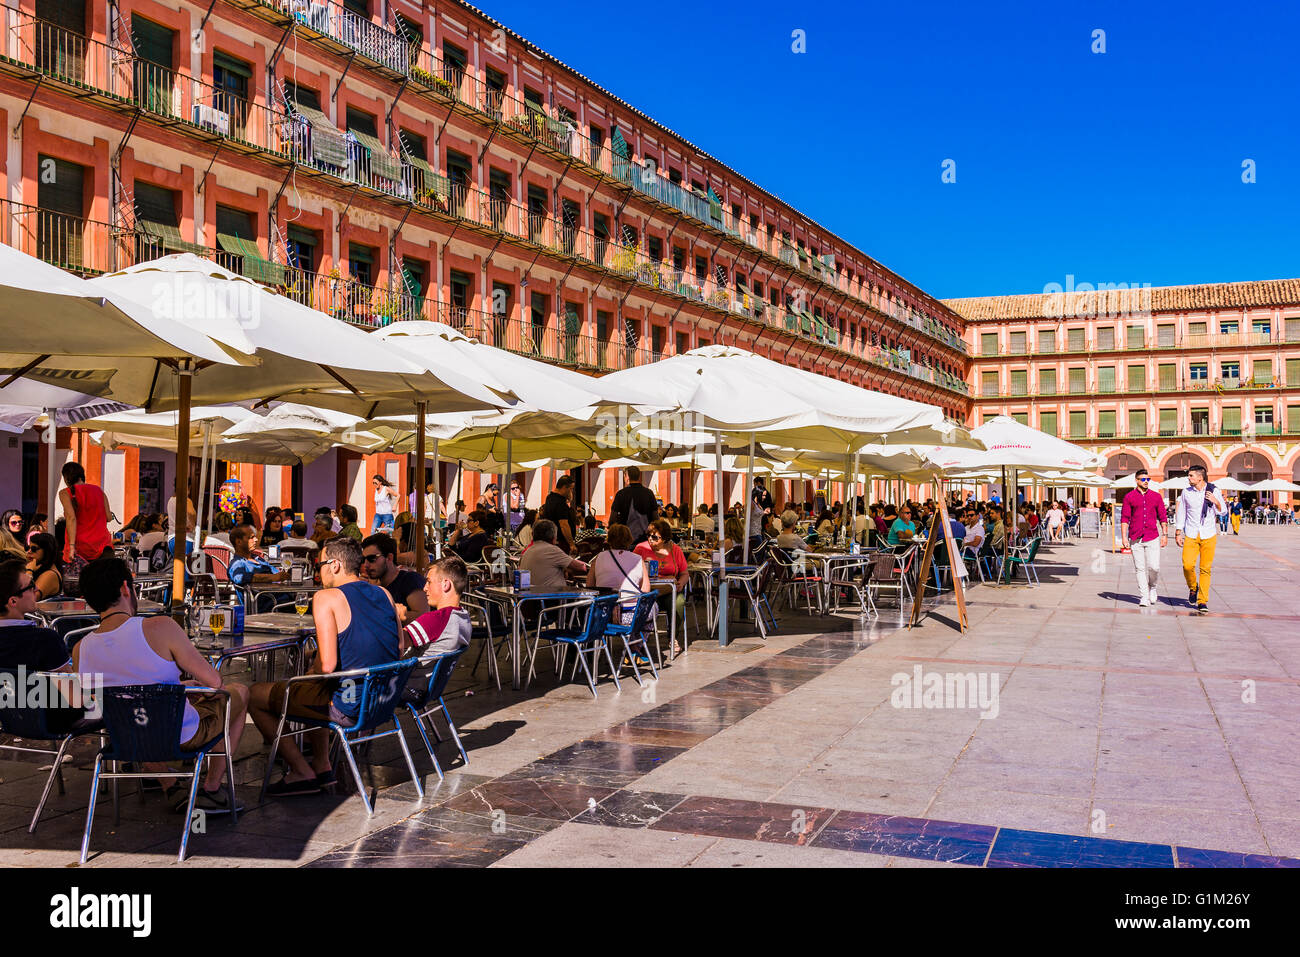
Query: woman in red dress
{"points": [[85, 510]]}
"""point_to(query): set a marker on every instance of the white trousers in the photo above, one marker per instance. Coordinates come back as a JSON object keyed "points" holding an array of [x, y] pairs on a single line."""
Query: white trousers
{"points": [[1146, 562]]}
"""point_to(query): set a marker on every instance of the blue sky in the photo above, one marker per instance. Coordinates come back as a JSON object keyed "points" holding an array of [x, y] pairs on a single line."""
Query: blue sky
{"points": [[1123, 166]]}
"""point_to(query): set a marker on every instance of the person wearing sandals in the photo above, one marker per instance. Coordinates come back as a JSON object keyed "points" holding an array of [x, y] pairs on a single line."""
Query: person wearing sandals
{"points": [[127, 649], [356, 627]]}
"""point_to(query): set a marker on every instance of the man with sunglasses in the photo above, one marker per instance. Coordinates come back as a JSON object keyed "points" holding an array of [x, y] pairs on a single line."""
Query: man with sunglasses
{"points": [[379, 565], [24, 641], [1144, 530], [1195, 524]]}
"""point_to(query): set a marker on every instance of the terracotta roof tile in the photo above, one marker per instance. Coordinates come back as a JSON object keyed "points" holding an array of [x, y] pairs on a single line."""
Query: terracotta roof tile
{"points": [[1219, 295]]}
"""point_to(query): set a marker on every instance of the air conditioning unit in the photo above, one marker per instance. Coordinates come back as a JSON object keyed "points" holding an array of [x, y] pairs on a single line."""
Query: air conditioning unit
{"points": [[211, 118]]}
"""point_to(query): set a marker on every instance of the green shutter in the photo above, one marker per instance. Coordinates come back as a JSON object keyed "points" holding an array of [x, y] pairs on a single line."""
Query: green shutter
{"points": [[1231, 420], [1168, 376], [1078, 381], [64, 192], [1078, 425], [1135, 337], [1047, 340], [1292, 373], [255, 266], [1293, 330], [1168, 421], [1047, 422], [1137, 378], [231, 65], [1046, 381], [1137, 423], [1106, 424], [989, 383], [1075, 339], [1021, 417], [152, 41], [1019, 379], [989, 344], [1106, 379], [1293, 419]]}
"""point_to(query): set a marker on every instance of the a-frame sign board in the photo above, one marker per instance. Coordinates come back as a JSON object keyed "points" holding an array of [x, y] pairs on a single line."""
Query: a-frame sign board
{"points": [[939, 527]]}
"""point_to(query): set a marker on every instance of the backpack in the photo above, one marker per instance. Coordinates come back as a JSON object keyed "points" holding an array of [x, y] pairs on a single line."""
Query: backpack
{"points": [[637, 523]]}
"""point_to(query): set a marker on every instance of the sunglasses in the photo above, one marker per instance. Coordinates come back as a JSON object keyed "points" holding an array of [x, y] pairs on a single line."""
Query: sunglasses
{"points": [[1145, 478], [371, 558]]}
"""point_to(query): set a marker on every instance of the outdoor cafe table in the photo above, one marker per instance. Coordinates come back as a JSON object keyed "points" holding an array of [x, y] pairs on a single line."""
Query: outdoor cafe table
{"points": [[253, 589], [263, 636], [516, 597], [828, 560], [672, 614]]}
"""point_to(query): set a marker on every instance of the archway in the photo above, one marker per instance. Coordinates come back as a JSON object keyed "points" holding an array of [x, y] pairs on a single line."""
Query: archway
{"points": [[1176, 463]]}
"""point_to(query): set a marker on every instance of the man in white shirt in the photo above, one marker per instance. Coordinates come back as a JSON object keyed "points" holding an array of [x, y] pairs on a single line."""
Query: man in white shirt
{"points": [[702, 523], [974, 530], [1195, 526]]}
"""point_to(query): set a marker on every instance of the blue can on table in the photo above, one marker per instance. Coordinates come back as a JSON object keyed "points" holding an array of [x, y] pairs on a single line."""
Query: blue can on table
{"points": [[652, 566]]}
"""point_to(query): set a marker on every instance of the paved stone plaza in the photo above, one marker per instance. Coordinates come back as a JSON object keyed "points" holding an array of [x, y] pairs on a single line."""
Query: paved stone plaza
{"points": [[1118, 735]]}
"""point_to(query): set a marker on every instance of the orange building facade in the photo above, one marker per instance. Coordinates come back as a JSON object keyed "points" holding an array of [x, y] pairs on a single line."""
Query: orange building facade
{"points": [[395, 159], [1160, 378]]}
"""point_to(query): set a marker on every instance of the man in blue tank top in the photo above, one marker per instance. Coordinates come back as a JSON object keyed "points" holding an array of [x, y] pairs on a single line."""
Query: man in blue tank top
{"points": [[356, 627]]}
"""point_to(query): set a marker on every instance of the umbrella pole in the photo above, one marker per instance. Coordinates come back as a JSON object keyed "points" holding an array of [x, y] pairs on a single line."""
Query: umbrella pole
{"points": [[722, 551], [421, 557], [749, 495], [505, 488], [203, 484], [186, 372], [212, 488], [51, 455], [437, 503]]}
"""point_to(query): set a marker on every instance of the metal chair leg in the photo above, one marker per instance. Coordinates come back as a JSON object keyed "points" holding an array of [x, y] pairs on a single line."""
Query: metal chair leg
{"points": [[356, 774], [406, 751], [55, 773], [90, 811], [189, 808]]}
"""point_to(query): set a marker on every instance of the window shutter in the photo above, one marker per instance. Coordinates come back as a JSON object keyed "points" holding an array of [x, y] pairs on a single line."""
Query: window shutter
{"points": [[1106, 424], [1165, 335], [1019, 378], [66, 192], [1076, 340], [1047, 339], [1047, 381], [1293, 330], [1231, 420], [152, 41], [1168, 421], [1293, 419], [1021, 417], [1262, 370], [1078, 381], [1198, 329], [1137, 423], [1292, 373], [1168, 376], [1137, 378], [1078, 424], [1106, 379], [1135, 337], [155, 204], [989, 383], [1106, 337], [1047, 422], [989, 344], [1018, 343]]}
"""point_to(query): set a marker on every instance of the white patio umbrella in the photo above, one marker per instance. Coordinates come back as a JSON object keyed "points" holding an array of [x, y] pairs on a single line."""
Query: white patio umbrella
{"points": [[1130, 481], [1233, 485], [1272, 485], [728, 390]]}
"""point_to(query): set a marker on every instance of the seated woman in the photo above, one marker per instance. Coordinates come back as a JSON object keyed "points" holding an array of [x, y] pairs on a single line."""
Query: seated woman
{"points": [[153, 532], [659, 547], [42, 562], [621, 569]]}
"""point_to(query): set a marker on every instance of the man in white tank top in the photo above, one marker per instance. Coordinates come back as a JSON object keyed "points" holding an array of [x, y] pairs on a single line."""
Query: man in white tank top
{"points": [[127, 649]]}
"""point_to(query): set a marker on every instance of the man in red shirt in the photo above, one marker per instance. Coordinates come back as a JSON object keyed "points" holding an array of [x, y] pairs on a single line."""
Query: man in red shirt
{"points": [[1144, 524]]}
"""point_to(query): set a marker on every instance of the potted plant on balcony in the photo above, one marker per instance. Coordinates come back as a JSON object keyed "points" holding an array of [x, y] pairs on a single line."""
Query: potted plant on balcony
{"points": [[623, 260]]}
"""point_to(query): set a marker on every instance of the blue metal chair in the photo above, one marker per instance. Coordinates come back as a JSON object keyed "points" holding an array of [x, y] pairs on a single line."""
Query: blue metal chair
{"points": [[426, 702], [144, 724], [378, 698], [588, 637], [33, 724], [488, 620], [634, 633]]}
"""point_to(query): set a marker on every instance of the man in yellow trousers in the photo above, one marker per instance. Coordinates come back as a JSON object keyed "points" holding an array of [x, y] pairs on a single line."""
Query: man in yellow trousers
{"points": [[1196, 524]]}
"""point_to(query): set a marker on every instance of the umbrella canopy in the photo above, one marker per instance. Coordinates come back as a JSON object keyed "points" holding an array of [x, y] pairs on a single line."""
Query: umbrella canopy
{"points": [[1008, 444], [90, 339], [725, 389], [297, 349], [1130, 481], [1273, 485], [26, 401], [125, 427], [1231, 484]]}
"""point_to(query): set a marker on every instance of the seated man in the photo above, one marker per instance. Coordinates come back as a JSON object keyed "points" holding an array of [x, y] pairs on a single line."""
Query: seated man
{"points": [[356, 627], [247, 569], [788, 539], [702, 523], [348, 522], [379, 563], [24, 642], [127, 649], [298, 537], [444, 629], [469, 542], [546, 562], [974, 536]]}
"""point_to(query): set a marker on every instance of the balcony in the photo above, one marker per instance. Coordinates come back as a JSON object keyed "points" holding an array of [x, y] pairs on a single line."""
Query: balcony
{"points": [[349, 29]]}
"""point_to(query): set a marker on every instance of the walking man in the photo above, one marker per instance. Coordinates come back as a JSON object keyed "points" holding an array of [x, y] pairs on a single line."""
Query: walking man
{"points": [[1144, 528], [1195, 525]]}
